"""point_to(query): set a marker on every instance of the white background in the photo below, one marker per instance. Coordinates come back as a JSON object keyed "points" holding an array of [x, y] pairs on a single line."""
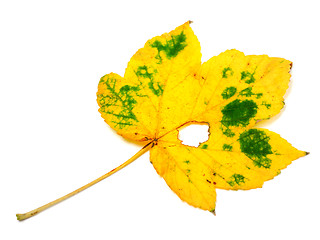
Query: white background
{"points": [[53, 140]]}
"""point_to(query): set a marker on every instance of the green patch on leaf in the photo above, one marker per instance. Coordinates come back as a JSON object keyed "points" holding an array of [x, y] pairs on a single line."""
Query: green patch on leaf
{"points": [[254, 144], [187, 161], [236, 179], [267, 105], [227, 147], [125, 98], [204, 146], [228, 92], [227, 131], [156, 88], [247, 77], [226, 72], [145, 72], [247, 92], [239, 113], [171, 48]]}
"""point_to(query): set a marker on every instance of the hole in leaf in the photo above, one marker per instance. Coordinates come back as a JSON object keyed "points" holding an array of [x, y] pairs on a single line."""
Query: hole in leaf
{"points": [[194, 134]]}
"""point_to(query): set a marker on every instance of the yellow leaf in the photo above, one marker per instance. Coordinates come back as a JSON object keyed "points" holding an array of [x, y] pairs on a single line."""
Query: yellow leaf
{"points": [[165, 87]]}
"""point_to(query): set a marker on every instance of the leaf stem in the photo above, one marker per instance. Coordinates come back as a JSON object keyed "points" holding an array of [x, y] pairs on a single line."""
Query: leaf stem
{"points": [[143, 150]]}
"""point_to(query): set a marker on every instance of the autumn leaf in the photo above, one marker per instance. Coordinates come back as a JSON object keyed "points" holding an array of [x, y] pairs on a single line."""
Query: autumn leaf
{"points": [[165, 87]]}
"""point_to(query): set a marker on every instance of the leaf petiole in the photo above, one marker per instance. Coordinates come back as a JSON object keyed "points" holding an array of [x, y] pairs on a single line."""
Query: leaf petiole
{"points": [[143, 150]]}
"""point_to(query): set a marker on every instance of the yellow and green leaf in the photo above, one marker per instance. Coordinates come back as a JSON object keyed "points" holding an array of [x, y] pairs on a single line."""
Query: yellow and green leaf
{"points": [[165, 87]]}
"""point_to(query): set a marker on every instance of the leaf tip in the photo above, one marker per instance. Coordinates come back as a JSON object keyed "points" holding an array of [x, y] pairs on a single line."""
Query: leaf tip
{"points": [[213, 211]]}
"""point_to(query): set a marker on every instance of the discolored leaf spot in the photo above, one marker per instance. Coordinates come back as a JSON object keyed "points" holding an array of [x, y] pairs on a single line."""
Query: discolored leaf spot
{"points": [[267, 105], [227, 132], [247, 77], [125, 98], [143, 71], [226, 72], [236, 179], [172, 47], [228, 92], [247, 92], [147, 73], [255, 144], [227, 147], [204, 146], [239, 113]]}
